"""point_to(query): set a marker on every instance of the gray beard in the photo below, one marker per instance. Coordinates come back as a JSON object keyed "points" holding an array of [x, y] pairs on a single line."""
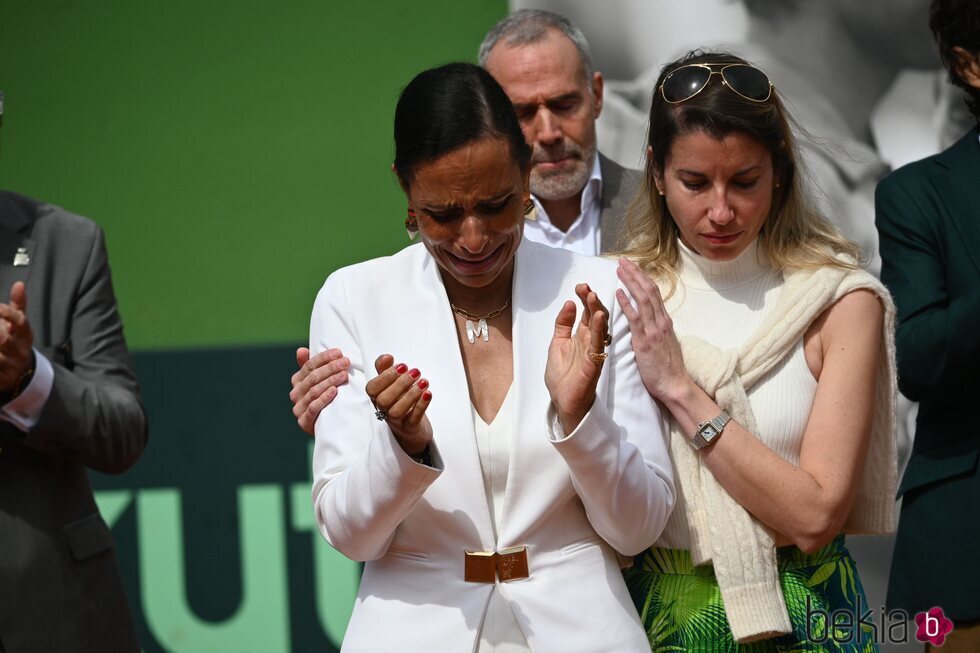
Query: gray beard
{"points": [[562, 185]]}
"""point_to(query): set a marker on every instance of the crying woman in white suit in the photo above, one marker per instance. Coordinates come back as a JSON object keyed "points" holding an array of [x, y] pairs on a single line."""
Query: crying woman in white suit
{"points": [[494, 457]]}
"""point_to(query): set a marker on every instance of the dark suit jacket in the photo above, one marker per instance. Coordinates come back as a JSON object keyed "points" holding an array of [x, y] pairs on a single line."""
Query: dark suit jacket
{"points": [[619, 184], [928, 218], [60, 588]]}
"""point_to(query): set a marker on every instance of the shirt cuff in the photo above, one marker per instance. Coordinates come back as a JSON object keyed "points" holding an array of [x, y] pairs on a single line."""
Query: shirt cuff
{"points": [[25, 411], [555, 431], [435, 456]]}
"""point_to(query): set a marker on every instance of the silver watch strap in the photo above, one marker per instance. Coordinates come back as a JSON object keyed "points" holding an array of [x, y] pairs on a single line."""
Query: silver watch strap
{"points": [[718, 423]]}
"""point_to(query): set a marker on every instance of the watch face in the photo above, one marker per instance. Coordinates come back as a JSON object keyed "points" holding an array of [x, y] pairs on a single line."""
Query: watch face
{"points": [[708, 432]]}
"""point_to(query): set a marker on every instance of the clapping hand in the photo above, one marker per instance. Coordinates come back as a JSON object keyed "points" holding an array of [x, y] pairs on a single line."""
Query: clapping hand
{"points": [[16, 338], [401, 397], [575, 357]]}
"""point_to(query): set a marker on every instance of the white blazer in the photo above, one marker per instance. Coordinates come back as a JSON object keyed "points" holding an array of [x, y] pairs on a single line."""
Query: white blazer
{"points": [[573, 501]]}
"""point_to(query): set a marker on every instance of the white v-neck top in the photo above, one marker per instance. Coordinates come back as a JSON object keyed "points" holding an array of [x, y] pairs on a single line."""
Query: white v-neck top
{"points": [[499, 632]]}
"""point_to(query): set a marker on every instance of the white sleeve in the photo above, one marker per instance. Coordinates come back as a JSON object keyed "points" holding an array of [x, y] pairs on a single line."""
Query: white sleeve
{"points": [[364, 484], [618, 456]]}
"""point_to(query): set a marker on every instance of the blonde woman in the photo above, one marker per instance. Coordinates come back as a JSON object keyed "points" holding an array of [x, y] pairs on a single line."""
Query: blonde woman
{"points": [[772, 350]]}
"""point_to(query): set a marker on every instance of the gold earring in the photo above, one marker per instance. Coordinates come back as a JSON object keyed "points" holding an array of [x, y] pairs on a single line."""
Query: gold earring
{"points": [[529, 210], [411, 223]]}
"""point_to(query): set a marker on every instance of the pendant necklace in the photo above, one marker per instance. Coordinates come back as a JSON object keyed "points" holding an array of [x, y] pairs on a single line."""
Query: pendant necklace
{"points": [[480, 329]]}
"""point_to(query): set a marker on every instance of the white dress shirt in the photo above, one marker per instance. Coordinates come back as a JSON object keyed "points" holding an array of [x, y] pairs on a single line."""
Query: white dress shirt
{"points": [[583, 237]]}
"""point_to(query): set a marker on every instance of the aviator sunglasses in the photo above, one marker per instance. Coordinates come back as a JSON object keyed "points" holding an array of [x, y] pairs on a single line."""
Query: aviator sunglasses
{"points": [[684, 82]]}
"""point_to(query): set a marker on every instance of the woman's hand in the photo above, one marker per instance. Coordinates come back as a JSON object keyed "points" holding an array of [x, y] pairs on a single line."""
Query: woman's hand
{"points": [[315, 384], [571, 374], [402, 396], [657, 350]]}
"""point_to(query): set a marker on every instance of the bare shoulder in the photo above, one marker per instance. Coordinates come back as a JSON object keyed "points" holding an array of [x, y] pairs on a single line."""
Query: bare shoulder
{"points": [[852, 323], [854, 318]]}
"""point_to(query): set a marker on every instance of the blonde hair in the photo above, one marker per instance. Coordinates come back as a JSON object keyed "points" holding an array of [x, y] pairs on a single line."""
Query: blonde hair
{"points": [[794, 235]]}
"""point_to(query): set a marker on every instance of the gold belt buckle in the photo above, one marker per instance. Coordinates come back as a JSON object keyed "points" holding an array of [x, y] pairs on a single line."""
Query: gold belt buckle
{"points": [[487, 566], [512, 564], [480, 567]]}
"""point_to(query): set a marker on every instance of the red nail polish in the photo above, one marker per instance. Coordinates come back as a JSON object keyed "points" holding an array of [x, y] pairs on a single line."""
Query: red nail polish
{"points": [[423, 384], [414, 373], [426, 396], [401, 368]]}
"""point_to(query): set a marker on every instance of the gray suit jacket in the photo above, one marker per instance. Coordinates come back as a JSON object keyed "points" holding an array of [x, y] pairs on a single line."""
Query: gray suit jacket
{"points": [[61, 587], [619, 184]]}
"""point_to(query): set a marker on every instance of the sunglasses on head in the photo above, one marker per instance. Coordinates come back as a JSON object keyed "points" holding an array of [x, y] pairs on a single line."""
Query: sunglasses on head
{"points": [[684, 82]]}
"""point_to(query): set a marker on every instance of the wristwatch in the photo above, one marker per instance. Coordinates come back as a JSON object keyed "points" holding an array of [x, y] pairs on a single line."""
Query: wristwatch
{"points": [[709, 431]]}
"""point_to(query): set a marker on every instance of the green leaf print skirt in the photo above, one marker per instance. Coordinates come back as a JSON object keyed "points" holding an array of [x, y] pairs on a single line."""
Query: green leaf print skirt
{"points": [[681, 608]]}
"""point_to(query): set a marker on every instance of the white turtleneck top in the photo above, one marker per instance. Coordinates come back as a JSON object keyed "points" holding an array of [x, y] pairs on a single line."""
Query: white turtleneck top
{"points": [[723, 303]]}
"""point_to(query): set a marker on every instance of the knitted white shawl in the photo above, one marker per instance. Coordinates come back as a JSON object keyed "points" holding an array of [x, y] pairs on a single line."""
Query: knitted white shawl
{"points": [[721, 530]]}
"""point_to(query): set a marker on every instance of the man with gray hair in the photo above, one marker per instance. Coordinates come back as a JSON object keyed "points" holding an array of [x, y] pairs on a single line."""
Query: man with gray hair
{"points": [[69, 402], [542, 61]]}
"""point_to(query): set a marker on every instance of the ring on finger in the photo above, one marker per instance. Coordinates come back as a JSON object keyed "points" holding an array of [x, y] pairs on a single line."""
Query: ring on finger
{"points": [[598, 357], [381, 414], [607, 340]]}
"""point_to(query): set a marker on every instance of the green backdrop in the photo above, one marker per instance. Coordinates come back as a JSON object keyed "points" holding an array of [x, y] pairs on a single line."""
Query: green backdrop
{"points": [[235, 154]]}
